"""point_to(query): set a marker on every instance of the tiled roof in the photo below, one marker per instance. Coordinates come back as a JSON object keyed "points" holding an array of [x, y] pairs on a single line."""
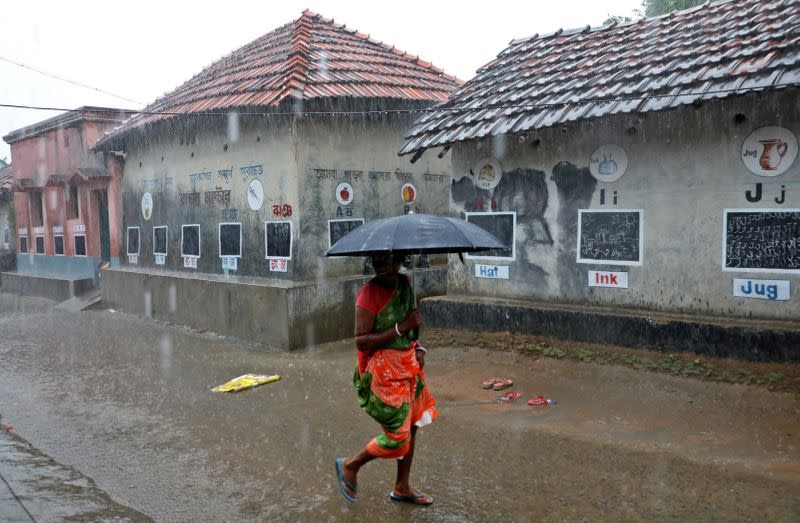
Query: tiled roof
{"points": [[6, 179], [312, 57], [712, 51]]}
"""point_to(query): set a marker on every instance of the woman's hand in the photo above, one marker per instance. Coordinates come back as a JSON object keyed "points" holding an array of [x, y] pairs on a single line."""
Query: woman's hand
{"points": [[420, 354], [412, 320]]}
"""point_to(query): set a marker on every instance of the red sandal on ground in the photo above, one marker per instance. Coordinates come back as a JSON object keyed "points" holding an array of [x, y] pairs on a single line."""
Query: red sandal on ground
{"points": [[509, 396]]}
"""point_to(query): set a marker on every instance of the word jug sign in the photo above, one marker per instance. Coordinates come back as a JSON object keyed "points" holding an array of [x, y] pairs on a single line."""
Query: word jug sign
{"points": [[775, 290], [617, 280]]}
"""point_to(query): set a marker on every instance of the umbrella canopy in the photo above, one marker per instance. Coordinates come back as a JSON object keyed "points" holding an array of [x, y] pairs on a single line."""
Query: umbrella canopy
{"points": [[415, 234]]}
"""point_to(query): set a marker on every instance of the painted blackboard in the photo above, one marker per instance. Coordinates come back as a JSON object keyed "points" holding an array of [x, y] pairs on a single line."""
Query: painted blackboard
{"points": [[610, 237], [80, 245], [279, 240], [230, 239], [190, 240], [502, 225], [133, 240], [337, 229], [761, 240], [159, 240]]}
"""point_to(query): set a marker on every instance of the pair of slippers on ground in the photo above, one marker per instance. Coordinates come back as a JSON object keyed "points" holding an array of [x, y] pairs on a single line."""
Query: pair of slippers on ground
{"points": [[497, 383], [417, 498], [533, 402]]}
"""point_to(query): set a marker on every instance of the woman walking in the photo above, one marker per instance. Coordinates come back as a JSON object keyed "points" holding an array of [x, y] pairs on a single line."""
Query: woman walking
{"points": [[389, 380]]}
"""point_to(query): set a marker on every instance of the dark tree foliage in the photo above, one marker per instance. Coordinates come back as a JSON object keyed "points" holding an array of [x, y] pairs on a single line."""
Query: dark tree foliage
{"points": [[662, 7], [654, 8]]}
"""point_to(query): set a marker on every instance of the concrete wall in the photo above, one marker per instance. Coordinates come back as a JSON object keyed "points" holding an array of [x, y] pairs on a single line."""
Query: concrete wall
{"points": [[178, 166], [299, 163], [363, 153], [278, 313], [55, 288], [685, 167]]}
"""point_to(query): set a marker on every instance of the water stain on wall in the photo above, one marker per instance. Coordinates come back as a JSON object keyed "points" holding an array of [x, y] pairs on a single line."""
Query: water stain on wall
{"points": [[525, 192], [575, 187]]}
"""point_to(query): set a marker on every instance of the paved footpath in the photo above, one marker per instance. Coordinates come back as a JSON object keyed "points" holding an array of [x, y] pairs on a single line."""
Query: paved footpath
{"points": [[33, 487]]}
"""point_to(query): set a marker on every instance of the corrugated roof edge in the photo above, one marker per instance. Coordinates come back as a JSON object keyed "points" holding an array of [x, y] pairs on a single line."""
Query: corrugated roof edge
{"points": [[412, 145]]}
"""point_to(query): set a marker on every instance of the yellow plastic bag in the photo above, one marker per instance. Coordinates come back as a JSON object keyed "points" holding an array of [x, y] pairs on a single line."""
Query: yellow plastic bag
{"points": [[245, 381]]}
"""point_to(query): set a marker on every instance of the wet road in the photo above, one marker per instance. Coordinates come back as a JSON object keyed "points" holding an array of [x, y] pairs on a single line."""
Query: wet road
{"points": [[126, 401]]}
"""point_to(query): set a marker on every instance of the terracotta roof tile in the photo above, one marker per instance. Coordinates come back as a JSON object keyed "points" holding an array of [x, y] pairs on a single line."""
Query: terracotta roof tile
{"points": [[648, 65], [311, 57]]}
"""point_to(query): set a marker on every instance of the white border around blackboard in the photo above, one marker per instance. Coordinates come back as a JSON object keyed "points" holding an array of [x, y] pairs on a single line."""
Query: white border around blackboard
{"points": [[513, 236], [219, 240], [592, 261], [266, 244], [341, 220], [725, 242], [199, 240], [128, 240], [166, 239]]}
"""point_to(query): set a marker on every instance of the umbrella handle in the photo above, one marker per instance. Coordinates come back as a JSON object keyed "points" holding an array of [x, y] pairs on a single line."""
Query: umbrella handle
{"points": [[415, 330]]}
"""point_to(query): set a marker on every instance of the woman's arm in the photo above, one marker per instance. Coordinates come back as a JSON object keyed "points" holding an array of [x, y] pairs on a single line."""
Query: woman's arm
{"points": [[368, 340]]}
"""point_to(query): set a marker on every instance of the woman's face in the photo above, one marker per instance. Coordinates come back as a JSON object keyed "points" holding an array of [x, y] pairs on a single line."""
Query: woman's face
{"points": [[386, 266]]}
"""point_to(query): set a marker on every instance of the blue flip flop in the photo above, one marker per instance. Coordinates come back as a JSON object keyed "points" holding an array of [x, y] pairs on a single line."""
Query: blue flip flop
{"points": [[416, 499], [343, 482]]}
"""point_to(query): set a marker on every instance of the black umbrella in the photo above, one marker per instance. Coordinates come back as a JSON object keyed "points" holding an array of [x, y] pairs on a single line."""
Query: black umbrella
{"points": [[415, 234]]}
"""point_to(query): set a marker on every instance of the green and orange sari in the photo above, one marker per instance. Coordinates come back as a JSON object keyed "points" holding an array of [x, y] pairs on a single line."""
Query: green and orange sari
{"points": [[391, 386]]}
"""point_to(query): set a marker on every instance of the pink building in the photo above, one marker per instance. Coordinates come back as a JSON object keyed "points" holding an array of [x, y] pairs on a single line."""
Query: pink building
{"points": [[65, 200]]}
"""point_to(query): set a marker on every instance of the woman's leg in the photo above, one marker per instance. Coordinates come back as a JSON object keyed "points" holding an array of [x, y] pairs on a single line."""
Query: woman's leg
{"points": [[351, 466], [401, 484]]}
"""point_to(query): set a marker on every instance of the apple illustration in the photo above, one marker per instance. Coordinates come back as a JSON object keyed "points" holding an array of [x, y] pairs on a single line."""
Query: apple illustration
{"points": [[344, 194]]}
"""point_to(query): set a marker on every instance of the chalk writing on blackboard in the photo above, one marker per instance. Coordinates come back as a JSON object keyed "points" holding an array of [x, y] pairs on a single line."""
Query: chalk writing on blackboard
{"points": [[610, 237], [500, 224], [761, 240], [337, 229], [278, 240]]}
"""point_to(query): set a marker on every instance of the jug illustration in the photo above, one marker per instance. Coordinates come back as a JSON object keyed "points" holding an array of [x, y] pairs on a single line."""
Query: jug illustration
{"points": [[607, 167], [774, 151]]}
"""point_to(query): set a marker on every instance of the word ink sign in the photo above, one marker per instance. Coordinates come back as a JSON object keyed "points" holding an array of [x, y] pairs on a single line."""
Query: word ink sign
{"points": [[775, 290]]}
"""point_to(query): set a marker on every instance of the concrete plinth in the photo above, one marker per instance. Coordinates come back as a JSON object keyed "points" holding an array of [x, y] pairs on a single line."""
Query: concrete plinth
{"points": [[278, 313], [57, 288], [749, 339]]}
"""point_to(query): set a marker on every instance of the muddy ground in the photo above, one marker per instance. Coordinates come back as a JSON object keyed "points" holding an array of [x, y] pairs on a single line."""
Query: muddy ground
{"points": [[126, 401]]}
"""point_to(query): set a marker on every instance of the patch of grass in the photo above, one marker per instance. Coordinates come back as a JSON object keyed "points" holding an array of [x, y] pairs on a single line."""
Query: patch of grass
{"points": [[774, 378], [783, 377], [533, 347], [554, 352]]}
